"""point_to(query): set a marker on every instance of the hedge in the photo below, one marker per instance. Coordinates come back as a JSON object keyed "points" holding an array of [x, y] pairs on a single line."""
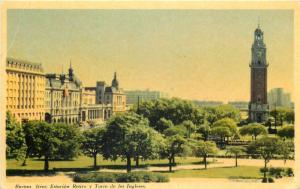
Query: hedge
{"points": [[120, 177]]}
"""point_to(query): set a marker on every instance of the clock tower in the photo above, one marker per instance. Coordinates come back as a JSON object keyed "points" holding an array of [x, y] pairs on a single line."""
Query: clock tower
{"points": [[258, 106]]}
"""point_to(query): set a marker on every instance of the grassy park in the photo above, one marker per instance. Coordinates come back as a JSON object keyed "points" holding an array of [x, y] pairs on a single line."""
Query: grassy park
{"points": [[167, 138]]}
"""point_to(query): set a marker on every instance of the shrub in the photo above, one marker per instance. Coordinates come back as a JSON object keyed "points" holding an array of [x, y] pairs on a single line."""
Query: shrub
{"points": [[262, 170], [276, 171], [120, 177], [289, 172], [264, 180], [271, 180]]}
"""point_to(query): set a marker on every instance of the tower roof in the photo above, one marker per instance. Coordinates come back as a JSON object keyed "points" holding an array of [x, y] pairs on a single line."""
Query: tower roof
{"points": [[115, 82]]}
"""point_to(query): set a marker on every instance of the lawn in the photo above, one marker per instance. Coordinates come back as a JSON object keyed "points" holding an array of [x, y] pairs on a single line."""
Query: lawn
{"points": [[87, 162], [219, 172]]}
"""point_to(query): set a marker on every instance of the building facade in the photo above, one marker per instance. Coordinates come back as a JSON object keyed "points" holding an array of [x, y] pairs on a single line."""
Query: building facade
{"points": [[241, 105], [112, 96], [278, 97], [25, 90], [92, 113], [258, 106], [133, 96], [63, 98]]}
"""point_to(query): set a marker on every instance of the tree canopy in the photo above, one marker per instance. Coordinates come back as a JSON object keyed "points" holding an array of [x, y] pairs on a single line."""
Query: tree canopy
{"points": [[213, 114], [15, 138], [267, 148], [236, 151], [92, 141], [253, 129], [128, 135], [174, 109], [205, 148], [286, 131]]}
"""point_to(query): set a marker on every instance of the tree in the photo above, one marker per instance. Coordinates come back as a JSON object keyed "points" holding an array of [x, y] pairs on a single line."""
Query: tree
{"points": [[253, 129], [190, 127], [15, 138], [213, 114], [30, 131], [175, 146], [267, 148], [174, 109], [224, 128], [205, 131], [282, 114], [205, 148], [286, 148], [70, 139], [178, 129], [286, 132], [92, 142], [127, 136], [221, 132], [236, 151], [53, 141], [163, 124]]}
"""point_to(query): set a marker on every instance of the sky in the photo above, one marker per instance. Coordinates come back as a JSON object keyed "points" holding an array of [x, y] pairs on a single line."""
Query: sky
{"points": [[191, 54]]}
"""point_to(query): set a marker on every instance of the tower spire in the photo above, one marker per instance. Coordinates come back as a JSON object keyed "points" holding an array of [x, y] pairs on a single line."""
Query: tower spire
{"points": [[70, 64], [258, 22]]}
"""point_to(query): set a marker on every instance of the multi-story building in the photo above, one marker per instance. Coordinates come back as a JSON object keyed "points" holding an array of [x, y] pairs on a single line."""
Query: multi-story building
{"points": [[277, 97], [241, 105], [133, 96], [91, 112], [25, 89], [63, 98], [208, 103], [111, 95]]}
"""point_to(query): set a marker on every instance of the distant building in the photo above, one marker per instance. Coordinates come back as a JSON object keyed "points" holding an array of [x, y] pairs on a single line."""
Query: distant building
{"points": [[113, 96], [241, 105], [63, 98], [208, 103], [143, 95], [277, 97], [25, 89]]}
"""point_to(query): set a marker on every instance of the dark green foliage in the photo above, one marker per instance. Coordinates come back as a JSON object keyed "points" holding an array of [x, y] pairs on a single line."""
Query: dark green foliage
{"points": [[175, 130], [204, 130], [264, 169], [267, 148], [253, 129], [224, 128], [70, 138], [15, 139], [213, 114], [175, 110], [205, 148], [286, 131], [53, 141], [278, 172], [236, 151], [120, 177], [283, 115], [289, 172], [271, 180], [163, 124], [127, 136], [175, 145], [92, 141]]}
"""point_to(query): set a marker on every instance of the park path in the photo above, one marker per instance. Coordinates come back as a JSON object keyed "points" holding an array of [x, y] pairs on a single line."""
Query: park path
{"points": [[221, 162]]}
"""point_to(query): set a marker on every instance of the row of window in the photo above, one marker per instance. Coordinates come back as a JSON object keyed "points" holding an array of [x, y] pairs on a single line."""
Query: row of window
{"points": [[22, 115]]}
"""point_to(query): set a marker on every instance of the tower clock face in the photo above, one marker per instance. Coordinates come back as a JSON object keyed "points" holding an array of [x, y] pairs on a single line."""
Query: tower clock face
{"points": [[259, 54]]}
